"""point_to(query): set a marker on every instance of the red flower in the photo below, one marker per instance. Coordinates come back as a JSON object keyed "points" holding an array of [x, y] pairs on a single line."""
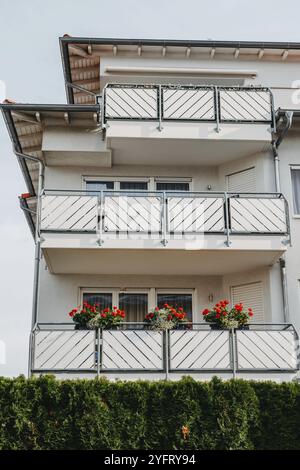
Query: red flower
{"points": [[217, 315], [205, 311], [250, 314], [103, 315]]}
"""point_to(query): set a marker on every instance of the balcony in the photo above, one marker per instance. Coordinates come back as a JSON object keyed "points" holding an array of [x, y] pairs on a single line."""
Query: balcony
{"points": [[157, 124], [197, 351], [138, 232]]}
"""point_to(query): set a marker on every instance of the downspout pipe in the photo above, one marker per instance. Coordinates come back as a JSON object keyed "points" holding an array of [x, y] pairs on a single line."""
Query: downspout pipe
{"points": [[37, 256], [282, 262]]}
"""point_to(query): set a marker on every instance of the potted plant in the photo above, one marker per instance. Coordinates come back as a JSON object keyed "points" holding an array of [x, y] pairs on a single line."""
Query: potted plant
{"points": [[83, 314], [221, 316], [108, 318], [166, 318]]}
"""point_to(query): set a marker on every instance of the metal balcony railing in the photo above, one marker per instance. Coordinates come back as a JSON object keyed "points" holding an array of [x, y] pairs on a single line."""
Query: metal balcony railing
{"points": [[133, 347], [160, 214], [187, 103]]}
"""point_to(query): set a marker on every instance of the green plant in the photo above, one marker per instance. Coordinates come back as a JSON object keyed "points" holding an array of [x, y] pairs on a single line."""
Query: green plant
{"points": [[165, 318], [107, 318], [226, 317], [48, 414]]}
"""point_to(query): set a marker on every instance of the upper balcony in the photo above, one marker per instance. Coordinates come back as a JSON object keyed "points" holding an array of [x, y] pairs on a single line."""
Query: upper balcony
{"points": [[139, 232], [162, 124]]}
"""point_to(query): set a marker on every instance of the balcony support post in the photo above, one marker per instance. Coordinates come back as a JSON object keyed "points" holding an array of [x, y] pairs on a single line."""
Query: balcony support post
{"points": [[99, 341], [100, 217], [164, 220], [159, 107], [227, 222], [233, 351], [217, 109], [167, 353]]}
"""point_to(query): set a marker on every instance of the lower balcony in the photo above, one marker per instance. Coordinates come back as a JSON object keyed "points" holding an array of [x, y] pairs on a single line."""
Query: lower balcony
{"points": [[264, 351], [138, 232]]}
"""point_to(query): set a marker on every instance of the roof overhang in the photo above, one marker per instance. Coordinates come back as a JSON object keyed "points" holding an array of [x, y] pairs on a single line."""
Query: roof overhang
{"points": [[81, 56], [26, 123]]}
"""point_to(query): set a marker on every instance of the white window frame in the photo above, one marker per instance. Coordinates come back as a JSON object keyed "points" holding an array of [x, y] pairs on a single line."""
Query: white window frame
{"points": [[115, 291], [151, 181], [179, 291], [294, 167], [162, 179], [152, 293], [115, 179]]}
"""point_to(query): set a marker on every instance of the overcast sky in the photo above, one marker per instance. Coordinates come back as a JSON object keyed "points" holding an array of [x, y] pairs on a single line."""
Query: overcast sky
{"points": [[30, 67]]}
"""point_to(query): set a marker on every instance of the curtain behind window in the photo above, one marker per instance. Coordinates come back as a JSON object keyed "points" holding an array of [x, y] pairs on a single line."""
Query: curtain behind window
{"points": [[176, 186], [103, 299], [135, 306], [134, 185], [296, 189], [177, 300]]}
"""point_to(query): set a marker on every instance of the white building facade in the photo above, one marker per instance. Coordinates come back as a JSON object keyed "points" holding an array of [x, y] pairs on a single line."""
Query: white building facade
{"points": [[172, 175]]}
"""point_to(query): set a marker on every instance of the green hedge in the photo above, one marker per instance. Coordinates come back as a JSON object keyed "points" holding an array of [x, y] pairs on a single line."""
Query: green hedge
{"points": [[44, 413]]}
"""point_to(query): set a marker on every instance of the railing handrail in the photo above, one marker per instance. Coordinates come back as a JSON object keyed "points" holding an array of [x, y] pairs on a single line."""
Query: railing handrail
{"points": [[186, 86], [136, 192], [191, 323]]}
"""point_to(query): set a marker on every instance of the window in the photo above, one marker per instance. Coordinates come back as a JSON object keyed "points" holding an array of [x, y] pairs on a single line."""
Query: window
{"points": [[295, 172], [134, 185], [93, 187], [251, 295], [134, 304], [103, 299], [242, 181], [172, 186], [184, 300]]}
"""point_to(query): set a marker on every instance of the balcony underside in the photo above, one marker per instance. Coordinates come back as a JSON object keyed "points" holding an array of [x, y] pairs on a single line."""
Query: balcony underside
{"points": [[158, 260], [181, 143]]}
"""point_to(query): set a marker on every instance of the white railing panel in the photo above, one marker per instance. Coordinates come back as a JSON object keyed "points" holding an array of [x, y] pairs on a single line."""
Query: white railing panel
{"points": [[64, 350], [134, 213], [189, 104], [265, 350], [245, 105], [195, 350], [131, 103], [67, 212], [132, 350], [195, 214], [258, 215]]}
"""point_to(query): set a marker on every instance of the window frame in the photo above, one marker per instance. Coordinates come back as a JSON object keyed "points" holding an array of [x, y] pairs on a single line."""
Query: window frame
{"points": [[152, 293], [294, 167], [179, 291], [151, 181]]}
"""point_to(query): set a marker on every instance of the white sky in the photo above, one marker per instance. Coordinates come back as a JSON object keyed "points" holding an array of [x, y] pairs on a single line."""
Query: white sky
{"points": [[30, 67]]}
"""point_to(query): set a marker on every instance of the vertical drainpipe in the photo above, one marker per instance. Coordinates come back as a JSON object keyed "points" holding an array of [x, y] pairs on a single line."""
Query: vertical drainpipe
{"points": [[37, 256], [282, 262]]}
